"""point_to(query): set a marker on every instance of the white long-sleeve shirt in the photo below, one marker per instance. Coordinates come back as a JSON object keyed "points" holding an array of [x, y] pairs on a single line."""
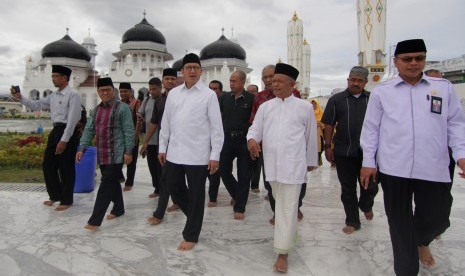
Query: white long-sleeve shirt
{"points": [[288, 132], [65, 107], [404, 137], [191, 129]]}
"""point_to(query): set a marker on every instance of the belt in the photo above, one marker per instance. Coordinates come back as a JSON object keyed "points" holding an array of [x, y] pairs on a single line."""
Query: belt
{"points": [[59, 124]]}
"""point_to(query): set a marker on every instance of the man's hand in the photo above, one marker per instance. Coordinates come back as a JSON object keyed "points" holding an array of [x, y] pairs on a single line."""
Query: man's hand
{"points": [[162, 158], [61, 146], [143, 150], [254, 149], [213, 166], [329, 154], [127, 158], [367, 174], [461, 165], [79, 155]]}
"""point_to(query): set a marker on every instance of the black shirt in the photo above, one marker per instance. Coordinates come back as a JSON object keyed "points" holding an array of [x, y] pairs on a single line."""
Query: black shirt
{"points": [[236, 112], [158, 109], [347, 113]]}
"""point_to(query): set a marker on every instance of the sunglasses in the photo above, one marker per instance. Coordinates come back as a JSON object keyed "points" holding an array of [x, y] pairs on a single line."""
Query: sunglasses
{"points": [[410, 59]]}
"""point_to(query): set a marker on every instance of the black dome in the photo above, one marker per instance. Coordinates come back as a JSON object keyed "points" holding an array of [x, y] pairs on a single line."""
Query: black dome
{"points": [[144, 32], [222, 48], [66, 47], [177, 65]]}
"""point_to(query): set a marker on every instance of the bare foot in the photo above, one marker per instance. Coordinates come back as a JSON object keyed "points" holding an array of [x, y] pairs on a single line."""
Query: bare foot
{"points": [[211, 204], [255, 191], [153, 195], [172, 208], [271, 220], [438, 237], [62, 207], [49, 202], [127, 188], [239, 216], [281, 264], [266, 198], [91, 227], [369, 215], [154, 220], [300, 215], [186, 246], [425, 256], [348, 229], [111, 216], [232, 202]]}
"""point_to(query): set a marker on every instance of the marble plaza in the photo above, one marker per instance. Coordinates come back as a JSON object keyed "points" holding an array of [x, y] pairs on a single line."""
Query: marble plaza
{"points": [[36, 240]]}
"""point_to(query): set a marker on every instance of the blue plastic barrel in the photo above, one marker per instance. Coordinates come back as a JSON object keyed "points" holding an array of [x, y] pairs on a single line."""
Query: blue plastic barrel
{"points": [[85, 171]]}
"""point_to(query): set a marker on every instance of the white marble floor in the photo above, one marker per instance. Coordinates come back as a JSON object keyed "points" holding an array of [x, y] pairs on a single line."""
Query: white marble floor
{"points": [[36, 240]]}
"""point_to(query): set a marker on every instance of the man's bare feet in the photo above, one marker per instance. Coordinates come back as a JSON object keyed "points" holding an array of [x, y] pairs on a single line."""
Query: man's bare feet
{"points": [[127, 188], [91, 227], [239, 216], [266, 198], [438, 237], [425, 256], [111, 216], [211, 204], [281, 264], [49, 202], [369, 215], [232, 202], [300, 215], [172, 208], [186, 246], [153, 195], [255, 191], [272, 221], [349, 229], [62, 207], [154, 220]]}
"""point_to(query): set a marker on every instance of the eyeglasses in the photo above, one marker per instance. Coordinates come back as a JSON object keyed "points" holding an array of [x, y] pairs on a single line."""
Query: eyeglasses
{"points": [[192, 68], [410, 59]]}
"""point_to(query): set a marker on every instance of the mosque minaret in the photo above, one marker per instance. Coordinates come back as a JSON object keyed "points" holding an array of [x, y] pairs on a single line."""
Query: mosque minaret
{"points": [[299, 53], [371, 19]]}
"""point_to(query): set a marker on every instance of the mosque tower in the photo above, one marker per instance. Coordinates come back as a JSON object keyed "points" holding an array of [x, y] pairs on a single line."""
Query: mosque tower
{"points": [[371, 19], [295, 42], [299, 53], [89, 44]]}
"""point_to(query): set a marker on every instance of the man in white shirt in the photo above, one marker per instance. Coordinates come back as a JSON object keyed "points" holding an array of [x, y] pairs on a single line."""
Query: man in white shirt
{"points": [[191, 138], [286, 126], [409, 123]]}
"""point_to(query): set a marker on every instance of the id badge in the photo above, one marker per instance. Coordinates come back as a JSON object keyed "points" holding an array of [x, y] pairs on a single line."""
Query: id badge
{"points": [[436, 105]]}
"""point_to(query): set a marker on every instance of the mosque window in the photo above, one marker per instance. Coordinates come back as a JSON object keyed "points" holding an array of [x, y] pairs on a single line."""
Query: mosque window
{"points": [[360, 58], [379, 56], [152, 58]]}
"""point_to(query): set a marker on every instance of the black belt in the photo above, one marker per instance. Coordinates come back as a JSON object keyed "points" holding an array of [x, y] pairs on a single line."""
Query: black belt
{"points": [[59, 124]]}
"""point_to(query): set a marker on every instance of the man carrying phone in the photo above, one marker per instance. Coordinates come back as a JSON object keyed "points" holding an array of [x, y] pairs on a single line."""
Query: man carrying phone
{"points": [[65, 111], [347, 110]]}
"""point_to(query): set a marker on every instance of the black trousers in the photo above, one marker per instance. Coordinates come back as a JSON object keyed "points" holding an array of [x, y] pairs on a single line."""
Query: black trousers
{"points": [[59, 169], [408, 229], [256, 171], [109, 191], [131, 167], [267, 185], [155, 167], [191, 199], [348, 172], [164, 196], [214, 185], [235, 146]]}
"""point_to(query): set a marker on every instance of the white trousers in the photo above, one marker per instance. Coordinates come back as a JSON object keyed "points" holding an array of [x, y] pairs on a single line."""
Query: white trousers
{"points": [[287, 204]]}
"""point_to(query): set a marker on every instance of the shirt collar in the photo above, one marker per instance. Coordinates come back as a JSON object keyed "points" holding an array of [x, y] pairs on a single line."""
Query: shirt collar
{"points": [[109, 104], [64, 91], [361, 95], [398, 80]]}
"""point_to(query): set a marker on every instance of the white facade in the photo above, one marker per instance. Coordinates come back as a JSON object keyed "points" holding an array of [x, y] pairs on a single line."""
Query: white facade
{"points": [[371, 20], [221, 69], [299, 53]]}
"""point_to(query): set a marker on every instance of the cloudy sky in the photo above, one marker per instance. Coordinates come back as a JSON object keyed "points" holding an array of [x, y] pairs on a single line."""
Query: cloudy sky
{"points": [[330, 26]]}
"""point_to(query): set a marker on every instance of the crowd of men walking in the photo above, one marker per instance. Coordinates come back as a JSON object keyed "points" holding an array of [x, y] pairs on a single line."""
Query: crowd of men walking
{"points": [[404, 135]]}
